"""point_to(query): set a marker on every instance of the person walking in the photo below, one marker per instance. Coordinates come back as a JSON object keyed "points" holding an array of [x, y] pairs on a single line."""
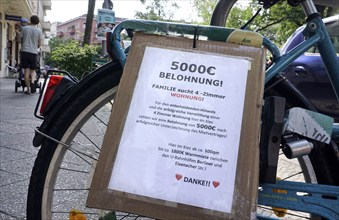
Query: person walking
{"points": [[31, 37]]}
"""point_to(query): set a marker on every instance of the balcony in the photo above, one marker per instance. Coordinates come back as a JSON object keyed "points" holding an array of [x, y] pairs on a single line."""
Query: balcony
{"points": [[18, 8], [60, 34], [46, 26], [71, 31], [47, 4]]}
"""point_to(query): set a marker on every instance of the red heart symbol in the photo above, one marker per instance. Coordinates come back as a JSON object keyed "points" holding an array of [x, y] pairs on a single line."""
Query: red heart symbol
{"points": [[216, 184], [178, 176]]}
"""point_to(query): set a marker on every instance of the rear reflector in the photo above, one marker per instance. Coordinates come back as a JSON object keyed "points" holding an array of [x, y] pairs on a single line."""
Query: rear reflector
{"points": [[49, 92]]}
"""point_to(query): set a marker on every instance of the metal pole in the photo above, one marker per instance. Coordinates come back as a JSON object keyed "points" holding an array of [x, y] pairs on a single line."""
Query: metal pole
{"points": [[105, 5], [309, 7]]}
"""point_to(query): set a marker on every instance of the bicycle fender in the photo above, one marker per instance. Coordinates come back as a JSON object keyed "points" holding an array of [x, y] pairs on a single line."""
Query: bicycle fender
{"points": [[68, 97]]}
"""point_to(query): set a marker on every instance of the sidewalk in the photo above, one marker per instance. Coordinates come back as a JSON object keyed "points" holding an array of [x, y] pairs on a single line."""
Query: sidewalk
{"points": [[17, 154]]}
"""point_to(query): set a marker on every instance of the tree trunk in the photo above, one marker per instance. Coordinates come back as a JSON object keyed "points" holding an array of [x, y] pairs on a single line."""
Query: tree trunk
{"points": [[89, 21]]}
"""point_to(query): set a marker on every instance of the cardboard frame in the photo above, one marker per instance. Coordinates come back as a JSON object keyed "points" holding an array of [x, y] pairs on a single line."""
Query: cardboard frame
{"points": [[244, 197]]}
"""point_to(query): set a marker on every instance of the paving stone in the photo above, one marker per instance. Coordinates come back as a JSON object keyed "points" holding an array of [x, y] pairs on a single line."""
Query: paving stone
{"points": [[17, 155]]}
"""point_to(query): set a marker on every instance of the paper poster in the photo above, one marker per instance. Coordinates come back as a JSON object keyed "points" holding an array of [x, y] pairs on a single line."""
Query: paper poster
{"points": [[106, 22], [181, 137]]}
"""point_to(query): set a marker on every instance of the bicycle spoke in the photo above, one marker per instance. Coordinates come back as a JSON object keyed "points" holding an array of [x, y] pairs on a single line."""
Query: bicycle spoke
{"points": [[73, 170], [71, 189], [95, 145], [77, 153], [299, 173], [104, 123]]}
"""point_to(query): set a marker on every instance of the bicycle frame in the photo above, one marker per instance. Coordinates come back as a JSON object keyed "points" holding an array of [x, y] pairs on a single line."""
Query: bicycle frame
{"points": [[316, 34]]}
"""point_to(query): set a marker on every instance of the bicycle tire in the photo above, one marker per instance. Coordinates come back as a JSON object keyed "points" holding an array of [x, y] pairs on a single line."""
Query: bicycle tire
{"points": [[92, 95]]}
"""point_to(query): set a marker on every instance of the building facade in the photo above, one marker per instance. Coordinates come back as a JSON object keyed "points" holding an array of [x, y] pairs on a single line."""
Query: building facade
{"points": [[75, 29], [11, 13]]}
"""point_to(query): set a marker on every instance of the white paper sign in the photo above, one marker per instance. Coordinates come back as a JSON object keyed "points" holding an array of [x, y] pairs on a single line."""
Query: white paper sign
{"points": [[181, 137]]}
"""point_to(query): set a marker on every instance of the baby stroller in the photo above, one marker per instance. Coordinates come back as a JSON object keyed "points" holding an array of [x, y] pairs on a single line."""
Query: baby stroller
{"points": [[20, 82]]}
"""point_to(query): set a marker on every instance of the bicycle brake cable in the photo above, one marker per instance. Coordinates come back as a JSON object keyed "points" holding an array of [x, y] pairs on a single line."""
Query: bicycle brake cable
{"points": [[244, 27]]}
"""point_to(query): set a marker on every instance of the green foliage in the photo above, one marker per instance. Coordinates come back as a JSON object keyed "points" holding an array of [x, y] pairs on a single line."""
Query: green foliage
{"points": [[279, 22], [159, 10], [53, 43], [327, 11], [70, 56], [239, 16], [204, 9], [276, 23]]}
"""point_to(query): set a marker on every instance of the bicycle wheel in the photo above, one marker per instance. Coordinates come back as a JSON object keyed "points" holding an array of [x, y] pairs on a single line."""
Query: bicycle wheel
{"points": [[61, 175]]}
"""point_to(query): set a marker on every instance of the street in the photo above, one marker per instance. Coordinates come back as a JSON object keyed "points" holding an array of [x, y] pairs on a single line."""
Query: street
{"points": [[17, 154]]}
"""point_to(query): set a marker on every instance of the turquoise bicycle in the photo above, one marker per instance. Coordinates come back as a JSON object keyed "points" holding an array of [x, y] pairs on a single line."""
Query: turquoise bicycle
{"points": [[72, 131]]}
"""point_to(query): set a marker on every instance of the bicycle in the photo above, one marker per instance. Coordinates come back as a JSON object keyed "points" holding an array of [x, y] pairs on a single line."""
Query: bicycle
{"points": [[70, 134]]}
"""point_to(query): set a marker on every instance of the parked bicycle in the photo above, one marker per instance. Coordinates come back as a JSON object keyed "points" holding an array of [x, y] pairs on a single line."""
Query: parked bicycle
{"points": [[76, 114]]}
